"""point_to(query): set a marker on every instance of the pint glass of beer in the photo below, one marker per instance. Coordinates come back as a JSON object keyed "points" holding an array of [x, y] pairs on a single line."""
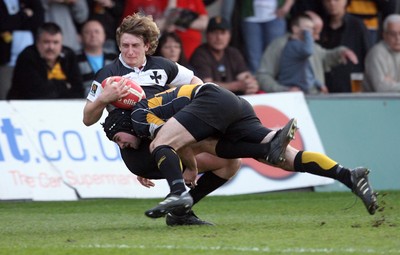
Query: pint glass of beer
{"points": [[356, 82]]}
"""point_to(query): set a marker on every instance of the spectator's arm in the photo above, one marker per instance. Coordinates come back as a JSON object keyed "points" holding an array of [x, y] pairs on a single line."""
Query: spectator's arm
{"points": [[250, 82], [285, 8], [333, 57], [200, 23], [348, 55]]}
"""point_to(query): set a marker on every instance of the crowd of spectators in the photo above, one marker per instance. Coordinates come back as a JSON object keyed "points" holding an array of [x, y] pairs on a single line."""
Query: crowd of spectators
{"points": [[52, 48]]}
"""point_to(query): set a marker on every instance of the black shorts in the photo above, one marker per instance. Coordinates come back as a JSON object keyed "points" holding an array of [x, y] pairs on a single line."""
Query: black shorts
{"points": [[219, 112], [140, 162]]}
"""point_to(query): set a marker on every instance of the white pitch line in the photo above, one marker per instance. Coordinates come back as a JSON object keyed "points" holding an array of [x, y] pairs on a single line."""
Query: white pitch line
{"points": [[296, 250]]}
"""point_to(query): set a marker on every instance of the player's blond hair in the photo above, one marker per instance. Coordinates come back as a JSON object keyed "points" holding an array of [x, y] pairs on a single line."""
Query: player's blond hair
{"points": [[141, 26]]}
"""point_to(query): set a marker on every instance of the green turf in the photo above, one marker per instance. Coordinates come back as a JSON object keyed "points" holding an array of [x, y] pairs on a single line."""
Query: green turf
{"points": [[273, 223]]}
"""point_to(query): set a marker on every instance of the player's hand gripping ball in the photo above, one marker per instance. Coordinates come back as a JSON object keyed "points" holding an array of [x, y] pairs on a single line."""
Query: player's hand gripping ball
{"points": [[136, 93]]}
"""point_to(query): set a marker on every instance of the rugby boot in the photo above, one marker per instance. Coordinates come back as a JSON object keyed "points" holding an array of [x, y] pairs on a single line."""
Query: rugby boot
{"points": [[170, 203], [280, 141], [363, 189], [185, 220]]}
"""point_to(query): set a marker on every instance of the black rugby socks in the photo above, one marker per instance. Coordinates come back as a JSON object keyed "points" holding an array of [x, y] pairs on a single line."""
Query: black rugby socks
{"points": [[206, 184], [170, 166]]}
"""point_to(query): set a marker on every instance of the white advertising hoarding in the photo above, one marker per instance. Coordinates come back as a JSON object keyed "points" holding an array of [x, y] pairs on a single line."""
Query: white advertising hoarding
{"points": [[47, 153]]}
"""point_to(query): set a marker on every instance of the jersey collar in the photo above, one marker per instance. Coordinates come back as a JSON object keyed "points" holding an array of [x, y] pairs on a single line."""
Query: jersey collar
{"points": [[137, 70]]}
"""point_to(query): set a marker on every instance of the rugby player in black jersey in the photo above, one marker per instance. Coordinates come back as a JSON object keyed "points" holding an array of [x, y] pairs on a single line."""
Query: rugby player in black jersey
{"points": [[189, 114]]}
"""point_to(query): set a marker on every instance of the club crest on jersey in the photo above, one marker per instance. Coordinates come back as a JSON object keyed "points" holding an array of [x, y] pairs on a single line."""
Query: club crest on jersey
{"points": [[149, 77], [93, 89], [155, 77]]}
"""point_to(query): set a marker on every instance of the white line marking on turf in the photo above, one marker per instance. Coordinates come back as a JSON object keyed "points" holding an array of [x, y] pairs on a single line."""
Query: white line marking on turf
{"points": [[238, 248]]}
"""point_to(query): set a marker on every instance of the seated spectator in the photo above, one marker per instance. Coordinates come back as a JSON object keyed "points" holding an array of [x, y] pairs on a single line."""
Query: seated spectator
{"points": [[382, 63], [343, 29], [170, 46], [216, 61], [47, 69], [93, 57], [18, 22], [320, 61]]}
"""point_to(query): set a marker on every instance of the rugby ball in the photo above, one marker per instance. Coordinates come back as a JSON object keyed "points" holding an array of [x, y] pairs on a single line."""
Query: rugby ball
{"points": [[136, 93]]}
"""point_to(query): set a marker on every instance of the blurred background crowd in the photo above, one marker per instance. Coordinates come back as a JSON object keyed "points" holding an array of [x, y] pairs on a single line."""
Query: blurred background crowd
{"points": [[246, 46]]}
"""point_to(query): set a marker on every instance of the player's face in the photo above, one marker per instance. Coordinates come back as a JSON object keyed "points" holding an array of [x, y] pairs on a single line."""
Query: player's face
{"points": [[171, 50], [218, 39], [93, 35], [392, 36], [133, 50], [125, 140], [49, 46]]}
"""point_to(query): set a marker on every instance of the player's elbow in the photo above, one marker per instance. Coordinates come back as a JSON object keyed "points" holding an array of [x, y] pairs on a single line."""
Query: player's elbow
{"points": [[196, 80], [87, 121]]}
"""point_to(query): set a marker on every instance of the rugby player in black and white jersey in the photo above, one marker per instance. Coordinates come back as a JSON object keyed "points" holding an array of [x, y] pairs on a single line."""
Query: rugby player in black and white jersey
{"points": [[137, 38]]}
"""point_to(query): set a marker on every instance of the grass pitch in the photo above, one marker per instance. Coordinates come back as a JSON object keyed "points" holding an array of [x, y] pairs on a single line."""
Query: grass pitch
{"points": [[272, 223]]}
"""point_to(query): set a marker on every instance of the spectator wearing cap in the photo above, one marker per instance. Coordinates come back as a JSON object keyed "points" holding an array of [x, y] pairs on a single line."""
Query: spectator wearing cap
{"points": [[216, 61]]}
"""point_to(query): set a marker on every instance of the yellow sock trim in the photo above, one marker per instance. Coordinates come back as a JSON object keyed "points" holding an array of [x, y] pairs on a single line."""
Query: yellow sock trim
{"points": [[322, 160], [180, 161]]}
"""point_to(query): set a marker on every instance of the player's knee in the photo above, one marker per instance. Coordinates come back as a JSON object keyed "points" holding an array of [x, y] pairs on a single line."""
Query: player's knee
{"points": [[163, 142], [155, 144], [152, 146], [161, 147], [235, 166]]}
